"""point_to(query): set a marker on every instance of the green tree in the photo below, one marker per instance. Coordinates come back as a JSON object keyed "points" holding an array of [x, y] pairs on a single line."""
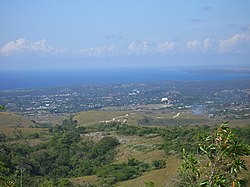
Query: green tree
{"points": [[158, 164], [4, 181], [47, 183], [65, 183], [2, 107], [105, 145], [220, 162]]}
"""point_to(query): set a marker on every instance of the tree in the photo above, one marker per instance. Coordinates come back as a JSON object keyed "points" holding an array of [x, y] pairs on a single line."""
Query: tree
{"points": [[104, 145], [4, 181], [2, 107], [220, 162], [158, 164], [65, 183]]}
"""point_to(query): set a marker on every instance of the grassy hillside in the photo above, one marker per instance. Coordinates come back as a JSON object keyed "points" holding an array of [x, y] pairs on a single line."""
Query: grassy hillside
{"points": [[14, 120], [13, 125], [162, 177], [139, 117], [95, 117], [81, 181], [140, 148]]}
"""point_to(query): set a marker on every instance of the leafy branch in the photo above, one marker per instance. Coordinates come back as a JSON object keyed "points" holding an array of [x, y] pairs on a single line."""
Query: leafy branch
{"points": [[220, 163]]}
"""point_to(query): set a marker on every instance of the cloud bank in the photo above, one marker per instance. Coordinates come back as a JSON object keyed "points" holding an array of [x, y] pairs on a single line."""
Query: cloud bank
{"points": [[23, 45], [238, 43], [235, 43]]}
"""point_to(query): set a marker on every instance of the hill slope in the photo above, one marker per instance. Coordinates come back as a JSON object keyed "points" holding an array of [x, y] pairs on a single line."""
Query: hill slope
{"points": [[161, 177], [14, 120]]}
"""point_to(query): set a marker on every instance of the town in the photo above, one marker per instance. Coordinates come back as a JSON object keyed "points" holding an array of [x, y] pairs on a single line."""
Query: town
{"points": [[230, 99]]}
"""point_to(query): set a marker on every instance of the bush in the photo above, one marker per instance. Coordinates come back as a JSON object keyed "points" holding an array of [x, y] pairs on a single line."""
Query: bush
{"points": [[158, 164], [118, 172], [65, 183]]}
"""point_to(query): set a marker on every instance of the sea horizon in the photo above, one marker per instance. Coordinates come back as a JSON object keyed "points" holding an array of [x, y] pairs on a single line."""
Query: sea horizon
{"points": [[29, 79]]}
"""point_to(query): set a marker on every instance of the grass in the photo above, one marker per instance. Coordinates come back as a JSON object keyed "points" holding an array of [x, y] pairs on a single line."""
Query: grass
{"points": [[82, 181], [9, 131], [13, 126], [164, 118], [140, 148], [95, 117], [246, 174], [49, 118], [239, 123], [14, 120], [160, 178], [156, 118]]}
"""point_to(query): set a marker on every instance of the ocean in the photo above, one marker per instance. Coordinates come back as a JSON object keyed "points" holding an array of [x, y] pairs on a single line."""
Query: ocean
{"points": [[24, 79]]}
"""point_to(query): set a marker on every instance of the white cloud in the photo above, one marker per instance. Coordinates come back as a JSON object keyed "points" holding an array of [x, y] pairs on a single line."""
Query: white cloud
{"points": [[206, 44], [147, 47], [193, 44], [237, 43], [13, 46], [201, 46], [23, 45], [234, 43], [132, 46], [41, 45], [144, 47], [166, 46]]}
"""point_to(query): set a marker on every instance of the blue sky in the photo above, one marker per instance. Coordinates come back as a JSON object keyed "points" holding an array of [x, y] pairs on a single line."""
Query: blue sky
{"points": [[126, 33]]}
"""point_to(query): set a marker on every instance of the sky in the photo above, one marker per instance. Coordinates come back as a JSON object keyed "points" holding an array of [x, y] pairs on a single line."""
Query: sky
{"points": [[47, 34]]}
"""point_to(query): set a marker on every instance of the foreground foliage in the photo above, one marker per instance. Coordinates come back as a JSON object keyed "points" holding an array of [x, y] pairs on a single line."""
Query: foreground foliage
{"points": [[219, 163]]}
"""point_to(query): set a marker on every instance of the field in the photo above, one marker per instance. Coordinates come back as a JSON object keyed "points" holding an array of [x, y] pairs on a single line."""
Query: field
{"points": [[152, 118], [95, 117]]}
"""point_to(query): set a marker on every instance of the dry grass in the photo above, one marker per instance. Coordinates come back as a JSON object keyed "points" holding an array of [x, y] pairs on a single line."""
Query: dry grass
{"points": [[94, 117], [10, 131], [246, 174], [239, 123], [160, 117], [51, 119], [140, 148], [84, 180], [13, 120], [162, 177]]}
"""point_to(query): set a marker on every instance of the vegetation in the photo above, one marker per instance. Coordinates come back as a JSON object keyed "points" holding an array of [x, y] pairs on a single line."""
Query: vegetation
{"points": [[2, 107], [120, 172], [64, 152], [220, 162], [65, 155], [4, 180]]}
